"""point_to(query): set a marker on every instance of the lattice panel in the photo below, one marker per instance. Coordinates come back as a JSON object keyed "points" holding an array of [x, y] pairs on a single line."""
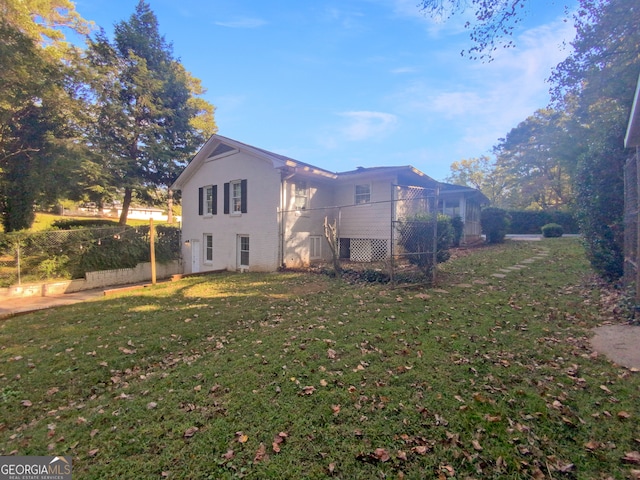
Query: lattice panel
{"points": [[368, 250]]}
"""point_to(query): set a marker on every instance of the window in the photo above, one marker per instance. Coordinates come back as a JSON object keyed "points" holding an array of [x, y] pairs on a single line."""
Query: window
{"points": [[315, 247], [235, 197], [363, 194], [301, 195], [451, 208], [208, 248], [208, 200], [243, 251]]}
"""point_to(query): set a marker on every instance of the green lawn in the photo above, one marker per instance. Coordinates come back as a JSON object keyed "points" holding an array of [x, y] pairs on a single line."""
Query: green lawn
{"points": [[293, 375]]}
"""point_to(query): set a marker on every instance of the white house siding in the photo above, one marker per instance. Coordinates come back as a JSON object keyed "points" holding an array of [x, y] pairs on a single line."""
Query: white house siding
{"points": [[368, 225], [299, 225], [260, 222]]}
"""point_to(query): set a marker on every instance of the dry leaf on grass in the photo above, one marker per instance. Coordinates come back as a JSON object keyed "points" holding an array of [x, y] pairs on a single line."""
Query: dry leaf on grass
{"points": [[632, 458], [261, 454], [190, 432]]}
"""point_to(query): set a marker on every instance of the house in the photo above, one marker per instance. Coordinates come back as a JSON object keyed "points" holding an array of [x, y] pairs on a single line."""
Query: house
{"points": [[140, 213], [632, 202], [245, 208]]}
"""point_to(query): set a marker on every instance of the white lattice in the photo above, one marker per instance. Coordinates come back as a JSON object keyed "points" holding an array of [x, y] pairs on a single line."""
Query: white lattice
{"points": [[368, 250]]}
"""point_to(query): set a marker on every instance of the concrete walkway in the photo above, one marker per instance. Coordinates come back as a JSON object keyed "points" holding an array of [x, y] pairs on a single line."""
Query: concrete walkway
{"points": [[11, 306]]}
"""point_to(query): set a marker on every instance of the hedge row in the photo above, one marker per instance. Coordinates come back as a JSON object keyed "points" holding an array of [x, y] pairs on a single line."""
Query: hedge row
{"points": [[527, 222]]}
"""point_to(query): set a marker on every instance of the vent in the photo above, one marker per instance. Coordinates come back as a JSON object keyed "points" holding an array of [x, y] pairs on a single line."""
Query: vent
{"points": [[221, 149]]}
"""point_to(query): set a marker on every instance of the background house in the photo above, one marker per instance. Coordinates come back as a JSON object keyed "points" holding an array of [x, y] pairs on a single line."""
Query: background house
{"points": [[248, 208]]}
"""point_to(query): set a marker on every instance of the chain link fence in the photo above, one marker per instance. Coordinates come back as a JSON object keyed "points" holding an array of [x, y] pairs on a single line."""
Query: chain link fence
{"points": [[68, 254], [391, 240], [414, 233], [631, 212]]}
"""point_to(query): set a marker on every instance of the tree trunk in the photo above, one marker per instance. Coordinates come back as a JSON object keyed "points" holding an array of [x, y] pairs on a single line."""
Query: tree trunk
{"points": [[126, 202]]}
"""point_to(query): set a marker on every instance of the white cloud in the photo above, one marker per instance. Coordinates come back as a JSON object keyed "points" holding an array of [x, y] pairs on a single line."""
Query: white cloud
{"points": [[484, 101], [363, 125], [402, 70], [243, 22]]}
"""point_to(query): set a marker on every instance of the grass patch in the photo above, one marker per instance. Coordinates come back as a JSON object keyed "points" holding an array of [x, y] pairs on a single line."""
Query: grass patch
{"points": [[294, 375]]}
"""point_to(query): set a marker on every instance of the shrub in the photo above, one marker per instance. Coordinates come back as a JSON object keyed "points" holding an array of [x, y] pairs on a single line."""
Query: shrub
{"points": [[530, 222], [495, 223], [458, 230], [72, 223], [416, 238], [552, 230]]}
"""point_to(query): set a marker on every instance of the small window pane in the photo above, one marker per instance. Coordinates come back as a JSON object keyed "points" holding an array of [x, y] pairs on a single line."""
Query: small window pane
{"points": [[236, 197], [363, 194]]}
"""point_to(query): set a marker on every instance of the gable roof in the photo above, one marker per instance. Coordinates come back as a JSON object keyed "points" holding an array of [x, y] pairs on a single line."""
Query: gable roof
{"points": [[218, 145]]}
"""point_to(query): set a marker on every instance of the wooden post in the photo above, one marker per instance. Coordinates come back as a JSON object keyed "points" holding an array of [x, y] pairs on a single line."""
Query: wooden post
{"points": [[153, 251]]}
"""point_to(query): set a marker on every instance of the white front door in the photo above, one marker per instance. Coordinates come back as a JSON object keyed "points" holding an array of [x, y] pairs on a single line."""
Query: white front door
{"points": [[195, 256]]}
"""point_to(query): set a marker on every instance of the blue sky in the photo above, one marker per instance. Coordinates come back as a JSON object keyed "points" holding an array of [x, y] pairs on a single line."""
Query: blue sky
{"points": [[347, 83]]}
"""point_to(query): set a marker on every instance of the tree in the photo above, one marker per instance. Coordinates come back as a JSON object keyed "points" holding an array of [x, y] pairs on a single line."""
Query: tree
{"points": [[37, 108], [471, 172], [495, 20], [40, 105], [596, 85], [483, 174], [42, 20], [149, 120], [539, 155]]}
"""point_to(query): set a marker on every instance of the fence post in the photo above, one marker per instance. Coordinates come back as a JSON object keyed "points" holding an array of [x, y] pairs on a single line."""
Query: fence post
{"points": [[18, 260], [153, 252]]}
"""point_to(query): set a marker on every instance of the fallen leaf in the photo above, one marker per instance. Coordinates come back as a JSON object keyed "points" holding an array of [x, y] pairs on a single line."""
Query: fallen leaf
{"points": [[190, 432], [127, 351], [401, 455], [331, 468], [592, 445], [605, 389], [241, 437], [492, 419], [277, 440], [420, 449], [336, 409], [448, 469], [261, 454], [151, 405], [331, 354], [382, 455], [476, 445], [229, 455], [624, 415], [308, 390], [26, 403], [631, 458], [94, 452]]}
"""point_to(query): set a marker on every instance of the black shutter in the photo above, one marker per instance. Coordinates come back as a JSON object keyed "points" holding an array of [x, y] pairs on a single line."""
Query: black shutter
{"points": [[243, 196], [214, 194], [200, 201], [226, 198]]}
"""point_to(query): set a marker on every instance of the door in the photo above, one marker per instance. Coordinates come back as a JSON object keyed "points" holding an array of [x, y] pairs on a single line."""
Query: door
{"points": [[243, 252], [195, 256]]}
